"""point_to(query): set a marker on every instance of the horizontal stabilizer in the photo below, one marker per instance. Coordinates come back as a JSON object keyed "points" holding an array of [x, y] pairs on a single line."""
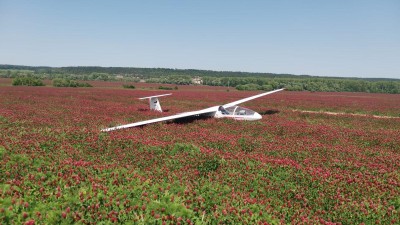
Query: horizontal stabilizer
{"points": [[155, 96]]}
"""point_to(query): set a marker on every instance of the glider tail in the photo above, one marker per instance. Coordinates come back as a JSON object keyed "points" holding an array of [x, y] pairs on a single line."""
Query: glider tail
{"points": [[154, 102]]}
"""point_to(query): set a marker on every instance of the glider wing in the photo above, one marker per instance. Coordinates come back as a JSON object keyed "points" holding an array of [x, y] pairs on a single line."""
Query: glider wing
{"points": [[166, 118], [251, 98]]}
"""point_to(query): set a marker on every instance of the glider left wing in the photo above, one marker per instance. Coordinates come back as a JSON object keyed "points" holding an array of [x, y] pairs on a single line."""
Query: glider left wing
{"points": [[166, 118]]}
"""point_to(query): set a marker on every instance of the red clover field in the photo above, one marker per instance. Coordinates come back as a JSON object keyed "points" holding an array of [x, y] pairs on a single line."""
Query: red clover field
{"points": [[291, 167]]}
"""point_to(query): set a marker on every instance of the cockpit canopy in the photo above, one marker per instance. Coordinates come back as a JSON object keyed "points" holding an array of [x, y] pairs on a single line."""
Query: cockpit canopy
{"points": [[236, 110]]}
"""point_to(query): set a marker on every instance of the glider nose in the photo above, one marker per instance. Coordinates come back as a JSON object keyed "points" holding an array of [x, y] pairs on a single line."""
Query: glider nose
{"points": [[257, 116]]}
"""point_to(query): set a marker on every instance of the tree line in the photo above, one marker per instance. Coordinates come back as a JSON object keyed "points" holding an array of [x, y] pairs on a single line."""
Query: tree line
{"points": [[57, 82], [240, 80]]}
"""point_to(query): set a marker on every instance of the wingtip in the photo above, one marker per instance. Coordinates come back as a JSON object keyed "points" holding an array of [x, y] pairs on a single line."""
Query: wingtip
{"points": [[108, 129]]}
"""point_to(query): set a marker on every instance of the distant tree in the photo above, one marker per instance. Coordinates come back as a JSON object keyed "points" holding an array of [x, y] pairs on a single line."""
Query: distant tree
{"points": [[267, 87], [165, 88], [99, 76], [27, 81], [130, 86], [249, 87], [213, 78], [61, 82]]}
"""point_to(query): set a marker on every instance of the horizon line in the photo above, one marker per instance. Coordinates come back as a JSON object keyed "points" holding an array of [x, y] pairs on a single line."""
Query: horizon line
{"points": [[231, 71]]}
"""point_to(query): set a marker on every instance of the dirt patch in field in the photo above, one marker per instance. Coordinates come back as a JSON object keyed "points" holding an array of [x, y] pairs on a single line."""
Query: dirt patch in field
{"points": [[346, 114]]}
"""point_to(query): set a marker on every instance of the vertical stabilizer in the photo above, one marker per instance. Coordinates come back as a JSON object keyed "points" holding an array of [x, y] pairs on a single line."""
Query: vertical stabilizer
{"points": [[154, 102]]}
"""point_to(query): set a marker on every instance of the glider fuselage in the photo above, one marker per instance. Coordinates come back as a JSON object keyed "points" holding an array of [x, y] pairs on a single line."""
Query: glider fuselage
{"points": [[237, 113]]}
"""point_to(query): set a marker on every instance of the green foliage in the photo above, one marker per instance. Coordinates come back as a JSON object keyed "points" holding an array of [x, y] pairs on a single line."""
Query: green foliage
{"points": [[60, 82], [171, 207], [318, 84], [12, 73], [165, 88], [209, 165], [171, 79], [248, 87], [396, 202], [27, 81], [267, 87], [99, 76], [240, 80], [246, 145], [187, 148], [2, 152], [129, 86]]}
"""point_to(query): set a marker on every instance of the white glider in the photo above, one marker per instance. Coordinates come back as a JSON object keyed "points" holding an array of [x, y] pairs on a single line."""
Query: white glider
{"points": [[230, 110]]}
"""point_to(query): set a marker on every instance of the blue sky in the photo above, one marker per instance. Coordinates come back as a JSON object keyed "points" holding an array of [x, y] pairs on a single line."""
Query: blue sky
{"points": [[326, 38]]}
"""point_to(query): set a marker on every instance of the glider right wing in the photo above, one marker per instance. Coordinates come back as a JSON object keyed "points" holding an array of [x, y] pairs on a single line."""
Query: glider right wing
{"points": [[251, 98]]}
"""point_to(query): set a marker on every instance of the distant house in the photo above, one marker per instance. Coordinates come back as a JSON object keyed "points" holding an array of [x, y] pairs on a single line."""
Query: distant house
{"points": [[197, 80]]}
